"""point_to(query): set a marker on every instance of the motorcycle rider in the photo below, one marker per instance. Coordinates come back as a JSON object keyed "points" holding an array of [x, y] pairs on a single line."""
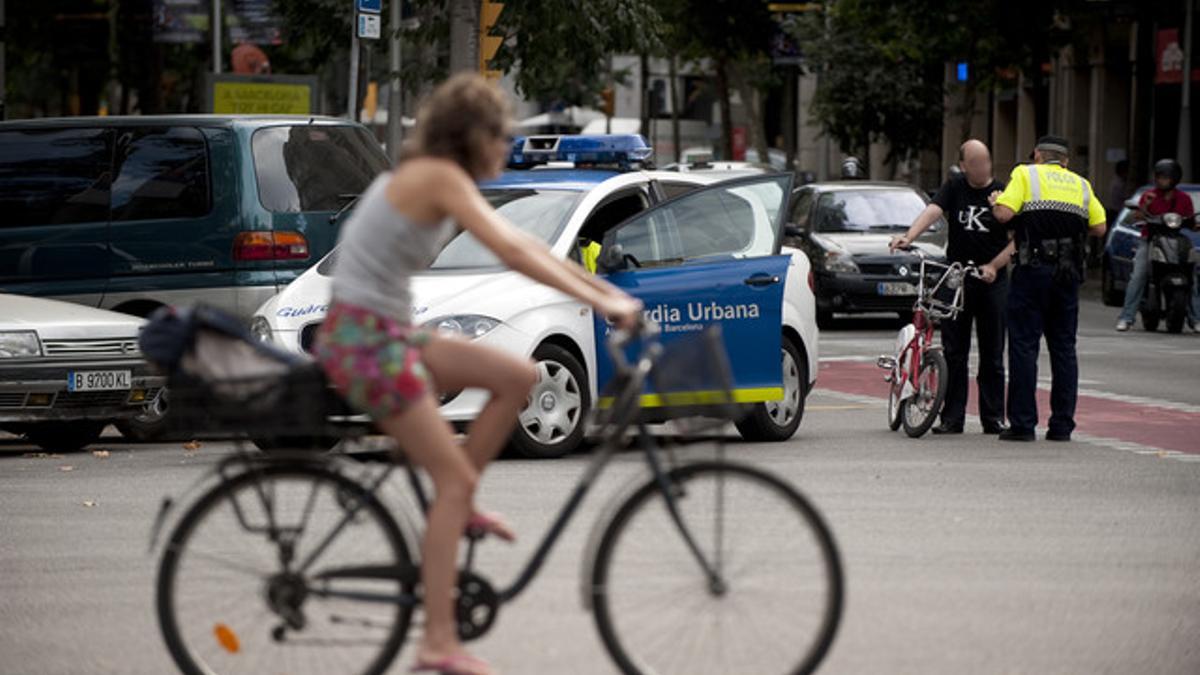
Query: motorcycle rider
{"points": [[1163, 198]]}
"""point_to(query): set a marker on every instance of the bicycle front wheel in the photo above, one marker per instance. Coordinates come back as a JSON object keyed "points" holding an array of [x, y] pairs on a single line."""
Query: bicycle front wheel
{"points": [[922, 409], [235, 596], [771, 605]]}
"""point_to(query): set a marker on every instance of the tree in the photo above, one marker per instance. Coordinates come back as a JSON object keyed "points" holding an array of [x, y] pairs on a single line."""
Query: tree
{"points": [[560, 50], [732, 35], [880, 63]]}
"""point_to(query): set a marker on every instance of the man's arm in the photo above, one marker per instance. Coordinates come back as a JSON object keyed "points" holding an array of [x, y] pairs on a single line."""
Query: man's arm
{"points": [[1006, 204], [989, 271], [923, 221]]}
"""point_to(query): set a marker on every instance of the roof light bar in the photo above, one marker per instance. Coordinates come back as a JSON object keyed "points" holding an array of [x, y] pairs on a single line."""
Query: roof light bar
{"points": [[626, 151]]}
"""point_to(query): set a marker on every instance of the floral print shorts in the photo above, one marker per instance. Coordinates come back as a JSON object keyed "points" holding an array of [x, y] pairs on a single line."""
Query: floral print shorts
{"points": [[373, 361]]}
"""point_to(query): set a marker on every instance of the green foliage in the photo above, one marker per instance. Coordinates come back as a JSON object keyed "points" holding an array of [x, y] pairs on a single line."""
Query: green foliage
{"points": [[881, 62], [560, 49]]}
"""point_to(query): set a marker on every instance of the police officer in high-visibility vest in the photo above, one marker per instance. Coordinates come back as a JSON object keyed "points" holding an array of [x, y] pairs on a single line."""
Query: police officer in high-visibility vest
{"points": [[1050, 211]]}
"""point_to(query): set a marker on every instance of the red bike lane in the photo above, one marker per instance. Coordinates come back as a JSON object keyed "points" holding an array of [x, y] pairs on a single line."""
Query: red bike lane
{"points": [[1146, 424]]}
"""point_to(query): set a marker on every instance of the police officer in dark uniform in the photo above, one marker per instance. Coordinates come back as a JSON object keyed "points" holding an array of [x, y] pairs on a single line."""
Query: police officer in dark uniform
{"points": [[1050, 212]]}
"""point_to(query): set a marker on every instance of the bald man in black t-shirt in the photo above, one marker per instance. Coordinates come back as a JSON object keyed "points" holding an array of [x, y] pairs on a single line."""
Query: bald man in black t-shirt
{"points": [[974, 238]]}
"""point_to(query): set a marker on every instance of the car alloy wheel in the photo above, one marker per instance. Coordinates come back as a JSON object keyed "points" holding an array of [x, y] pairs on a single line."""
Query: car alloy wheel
{"points": [[784, 410], [552, 423], [554, 405]]}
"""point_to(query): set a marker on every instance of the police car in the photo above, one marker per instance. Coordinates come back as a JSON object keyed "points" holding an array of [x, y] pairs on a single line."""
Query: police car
{"points": [[694, 250]]}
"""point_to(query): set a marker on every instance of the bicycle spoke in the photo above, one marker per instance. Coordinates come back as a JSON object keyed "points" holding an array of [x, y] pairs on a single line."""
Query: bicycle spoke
{"points": [[770, 614], [226, 611]]}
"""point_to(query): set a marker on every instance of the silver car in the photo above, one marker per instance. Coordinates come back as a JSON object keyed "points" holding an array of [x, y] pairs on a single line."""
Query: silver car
{"points": [[67, 371]]}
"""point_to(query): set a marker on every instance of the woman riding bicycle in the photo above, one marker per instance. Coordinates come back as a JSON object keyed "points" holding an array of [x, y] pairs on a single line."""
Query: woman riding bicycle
{"points": [[392, 370]]}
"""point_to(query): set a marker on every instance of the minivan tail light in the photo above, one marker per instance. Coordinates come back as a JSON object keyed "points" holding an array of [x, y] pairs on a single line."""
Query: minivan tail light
{"points": [[270, 246]]}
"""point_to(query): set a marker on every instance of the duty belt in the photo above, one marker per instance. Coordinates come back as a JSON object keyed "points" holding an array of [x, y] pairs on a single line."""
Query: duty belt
{"points": [[1065, 255]]}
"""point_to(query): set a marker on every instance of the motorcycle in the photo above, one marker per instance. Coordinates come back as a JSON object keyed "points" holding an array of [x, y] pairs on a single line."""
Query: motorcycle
{"points": [[1172, 273]]}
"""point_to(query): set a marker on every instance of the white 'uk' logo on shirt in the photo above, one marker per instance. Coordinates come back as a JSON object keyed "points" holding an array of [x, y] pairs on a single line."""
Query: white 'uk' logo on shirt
{"points": [[970, 219]]}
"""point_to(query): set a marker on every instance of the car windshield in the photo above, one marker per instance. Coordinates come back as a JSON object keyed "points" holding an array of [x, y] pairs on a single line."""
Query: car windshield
{"points": [[314, 168], [867, 210], [540, 213]]}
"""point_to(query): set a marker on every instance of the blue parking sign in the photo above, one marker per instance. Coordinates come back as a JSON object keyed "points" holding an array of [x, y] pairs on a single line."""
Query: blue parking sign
{"points": [[371, 6]]}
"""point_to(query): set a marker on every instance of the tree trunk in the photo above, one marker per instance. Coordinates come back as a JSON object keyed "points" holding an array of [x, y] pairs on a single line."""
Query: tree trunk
{"points": [[722, 68], [754, 117], [675, 139], [464, 35]]}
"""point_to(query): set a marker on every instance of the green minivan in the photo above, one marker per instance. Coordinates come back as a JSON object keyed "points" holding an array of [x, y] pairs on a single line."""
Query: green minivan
{"points": [[132, 213]]}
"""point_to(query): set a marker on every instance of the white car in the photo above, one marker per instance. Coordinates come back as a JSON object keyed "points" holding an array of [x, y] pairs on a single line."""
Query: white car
{"points": [[67, 371], [695, 251]]}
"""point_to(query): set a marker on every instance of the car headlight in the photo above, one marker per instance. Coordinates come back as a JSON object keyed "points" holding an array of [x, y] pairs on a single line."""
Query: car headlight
{"points": [[837, 261], [18, 344], [470, 326], [260, 329]]}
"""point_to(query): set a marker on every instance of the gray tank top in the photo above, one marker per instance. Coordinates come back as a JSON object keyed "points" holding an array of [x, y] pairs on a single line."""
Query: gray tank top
{"points": [[379, 250]]}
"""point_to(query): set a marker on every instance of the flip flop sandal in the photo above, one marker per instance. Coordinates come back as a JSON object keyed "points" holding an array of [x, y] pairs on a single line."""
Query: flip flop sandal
{"points": [[480, 524], [456, 664]]}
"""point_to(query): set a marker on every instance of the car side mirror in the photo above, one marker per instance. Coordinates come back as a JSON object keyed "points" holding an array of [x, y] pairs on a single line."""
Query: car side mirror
{"points": [[612, 259]]}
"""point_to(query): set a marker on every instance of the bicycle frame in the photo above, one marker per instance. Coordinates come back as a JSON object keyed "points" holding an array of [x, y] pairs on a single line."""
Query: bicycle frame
{"points": [[623, 415], [905, 365]]}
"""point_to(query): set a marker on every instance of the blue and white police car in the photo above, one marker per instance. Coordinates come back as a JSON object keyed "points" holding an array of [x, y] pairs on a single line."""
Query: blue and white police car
{"points": [[694, 250]]}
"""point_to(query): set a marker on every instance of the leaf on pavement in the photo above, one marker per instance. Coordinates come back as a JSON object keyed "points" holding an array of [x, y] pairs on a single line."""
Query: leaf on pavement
{"points": [[89, 503], [66, 467], [191, 446], [100, 454]]}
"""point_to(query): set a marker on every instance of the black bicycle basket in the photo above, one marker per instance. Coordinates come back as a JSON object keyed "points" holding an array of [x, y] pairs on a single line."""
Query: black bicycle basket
{"points": [[224, 383], [692, 384]]}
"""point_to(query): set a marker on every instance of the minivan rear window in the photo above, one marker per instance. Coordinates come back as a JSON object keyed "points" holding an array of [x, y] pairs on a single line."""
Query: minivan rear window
{"points": [[54, 176], [314, 168]]}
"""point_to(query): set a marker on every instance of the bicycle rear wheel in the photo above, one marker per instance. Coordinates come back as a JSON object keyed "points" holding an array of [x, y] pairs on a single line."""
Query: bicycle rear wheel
{"points": [[229, 603], [776, 607]]}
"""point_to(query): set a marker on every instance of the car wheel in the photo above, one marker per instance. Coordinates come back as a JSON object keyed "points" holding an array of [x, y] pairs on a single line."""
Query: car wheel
{"points": [[553, 421], [1111, 296], [775, 421], [149, 425], [65, 436]]}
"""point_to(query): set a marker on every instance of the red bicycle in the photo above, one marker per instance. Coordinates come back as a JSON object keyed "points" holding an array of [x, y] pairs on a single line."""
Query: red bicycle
{"points": [[917, 369]]}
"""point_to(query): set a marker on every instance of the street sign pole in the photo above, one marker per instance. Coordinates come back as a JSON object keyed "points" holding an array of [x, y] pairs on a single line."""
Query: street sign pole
{"points": [[365, 25], [216, 36], [352, 95], [395, 130]]}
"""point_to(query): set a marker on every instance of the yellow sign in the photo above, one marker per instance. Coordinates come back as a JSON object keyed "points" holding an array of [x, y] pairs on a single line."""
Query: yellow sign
{"points": [[489, 13], [261, 98]]}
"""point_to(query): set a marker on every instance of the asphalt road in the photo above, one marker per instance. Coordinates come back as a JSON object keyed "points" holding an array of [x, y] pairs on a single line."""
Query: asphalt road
{"points": [[962, 554]]}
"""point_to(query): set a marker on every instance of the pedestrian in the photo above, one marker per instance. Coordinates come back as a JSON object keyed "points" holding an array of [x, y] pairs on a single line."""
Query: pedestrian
{"points": [[393, 370], [853, 169], [1161, 199], [974, 238], [1049, 210]]}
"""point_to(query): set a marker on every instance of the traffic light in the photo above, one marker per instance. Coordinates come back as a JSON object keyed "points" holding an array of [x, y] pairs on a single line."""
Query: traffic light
{"points": [[489, 44]]}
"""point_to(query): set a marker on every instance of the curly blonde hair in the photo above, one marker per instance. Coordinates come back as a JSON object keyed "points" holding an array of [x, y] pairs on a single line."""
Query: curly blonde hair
{"points": [[457, 120]]}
